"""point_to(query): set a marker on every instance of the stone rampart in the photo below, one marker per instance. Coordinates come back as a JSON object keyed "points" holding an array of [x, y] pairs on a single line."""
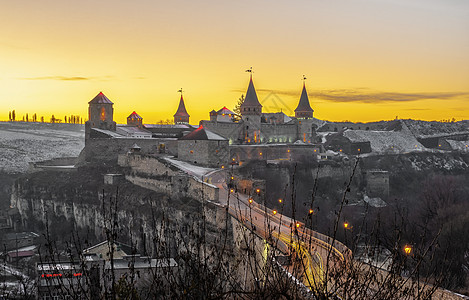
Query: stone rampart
{"points": [[159, 175]]}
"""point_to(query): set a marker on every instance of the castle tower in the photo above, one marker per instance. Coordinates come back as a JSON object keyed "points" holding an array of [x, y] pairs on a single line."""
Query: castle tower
{"points": [[251, 105], [251, 112], [304, 110], [181, 116], [100, 114], [135, 120], [304, 114]]}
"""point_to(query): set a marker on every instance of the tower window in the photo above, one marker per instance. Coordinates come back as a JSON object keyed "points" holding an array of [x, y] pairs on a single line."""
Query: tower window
{"points": [[103, 114]]}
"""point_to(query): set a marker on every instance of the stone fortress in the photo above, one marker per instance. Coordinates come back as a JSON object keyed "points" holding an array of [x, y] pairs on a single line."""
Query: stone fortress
{"points": [[215, 142], [253, 135]]}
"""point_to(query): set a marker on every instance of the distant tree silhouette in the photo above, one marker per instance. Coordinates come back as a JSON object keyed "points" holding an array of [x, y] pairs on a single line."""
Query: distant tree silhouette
{"points": [[53, 119], [13, 115], [237, 108], [42, 119], [9, 116], [34, 117], [27, 118], [65, 118]]}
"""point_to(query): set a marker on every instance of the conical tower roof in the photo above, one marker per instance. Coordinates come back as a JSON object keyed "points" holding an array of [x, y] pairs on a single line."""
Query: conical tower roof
{"points": [[181, 112], [251, 96], [303, 105], [135, 116], [100, 99]]}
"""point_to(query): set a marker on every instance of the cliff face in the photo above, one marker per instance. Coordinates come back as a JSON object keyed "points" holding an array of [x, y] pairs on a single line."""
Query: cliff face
{"points": [[80, 203]]}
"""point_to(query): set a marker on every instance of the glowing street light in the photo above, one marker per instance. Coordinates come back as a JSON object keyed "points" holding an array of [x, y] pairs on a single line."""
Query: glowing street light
{"points": [[258, 191], [274, 212], [407, 249], [231, 190], [311, 211], [279, 200], [346, 225], [250, 200], [297, 225]]}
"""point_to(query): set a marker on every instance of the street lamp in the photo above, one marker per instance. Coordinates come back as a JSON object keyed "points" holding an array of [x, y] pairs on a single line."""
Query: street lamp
{"points": [[347, 225], [274, 212], [407, 249]]}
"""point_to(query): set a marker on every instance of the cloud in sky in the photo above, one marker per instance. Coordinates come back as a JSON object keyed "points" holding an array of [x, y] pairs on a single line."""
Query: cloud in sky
{"points": [[66, 78], [365, 95]]}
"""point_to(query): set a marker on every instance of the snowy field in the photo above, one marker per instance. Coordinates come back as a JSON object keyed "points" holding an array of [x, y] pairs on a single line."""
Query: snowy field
{"points": [[21, 143]]}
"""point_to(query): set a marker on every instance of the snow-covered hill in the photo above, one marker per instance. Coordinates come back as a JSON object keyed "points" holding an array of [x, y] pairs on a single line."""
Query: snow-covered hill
{"points": [[21, 143]]}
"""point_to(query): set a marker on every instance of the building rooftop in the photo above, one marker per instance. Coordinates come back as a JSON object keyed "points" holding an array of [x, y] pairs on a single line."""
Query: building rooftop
{"points": [[20, 235], [132, 130], [251, 96], [303, 105], [181, 112], [134, 115], [202, 134], [100, 99]]}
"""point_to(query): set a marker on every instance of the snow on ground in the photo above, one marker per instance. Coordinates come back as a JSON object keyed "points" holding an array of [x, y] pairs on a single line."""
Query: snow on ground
{"points": [[434, 128], [189, 168], [459, 145], [21, 143], [386, 141]]}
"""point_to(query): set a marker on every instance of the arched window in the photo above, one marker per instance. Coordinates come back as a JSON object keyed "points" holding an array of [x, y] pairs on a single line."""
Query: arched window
{"points": [[103, 114]]}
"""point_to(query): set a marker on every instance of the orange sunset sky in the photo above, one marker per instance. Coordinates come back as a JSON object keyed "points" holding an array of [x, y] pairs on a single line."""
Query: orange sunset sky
{"points": [[365, 60]]}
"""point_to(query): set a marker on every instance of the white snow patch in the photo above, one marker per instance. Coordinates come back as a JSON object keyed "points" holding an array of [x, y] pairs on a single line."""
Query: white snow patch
{"points": [[189, 168], [386, 141]]}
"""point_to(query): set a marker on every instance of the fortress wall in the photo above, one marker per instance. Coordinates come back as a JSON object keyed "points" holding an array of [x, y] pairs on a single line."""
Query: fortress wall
{"points": [[230, 131], [158, 175], [274, 152], [204, 152], [107, 149], [377, 183], [148, 165], [282, 133]]}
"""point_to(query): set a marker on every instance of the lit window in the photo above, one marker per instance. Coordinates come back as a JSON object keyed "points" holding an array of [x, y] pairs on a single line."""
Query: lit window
{"points": [[103, 114]]}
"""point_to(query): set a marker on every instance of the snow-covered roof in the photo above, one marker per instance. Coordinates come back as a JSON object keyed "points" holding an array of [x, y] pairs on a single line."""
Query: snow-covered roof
{"points": [[383, 141], [108, 132], [168, 126], [125, 129], [189, 168], [459, 145]]}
